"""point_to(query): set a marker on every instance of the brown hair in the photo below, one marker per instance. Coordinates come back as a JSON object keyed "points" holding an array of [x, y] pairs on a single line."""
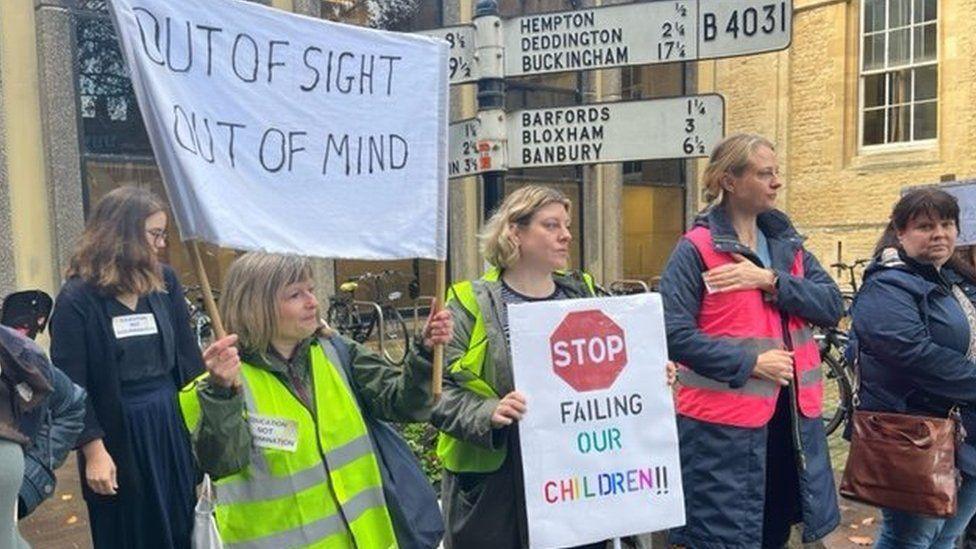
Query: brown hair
{"points": [[730, 156], [934, 203], [249, 300], [517, 208], [114, 254]]}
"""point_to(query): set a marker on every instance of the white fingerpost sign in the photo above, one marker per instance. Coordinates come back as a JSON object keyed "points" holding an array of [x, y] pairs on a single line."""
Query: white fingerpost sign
{"points": [[678, 127], [290, 134], [644, 33], [599, 442], [462, 66]]}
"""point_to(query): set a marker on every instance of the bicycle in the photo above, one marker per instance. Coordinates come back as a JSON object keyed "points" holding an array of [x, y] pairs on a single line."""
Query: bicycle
{"points": [[847, 294], [200, 321], [361, 319], [840, 378]]}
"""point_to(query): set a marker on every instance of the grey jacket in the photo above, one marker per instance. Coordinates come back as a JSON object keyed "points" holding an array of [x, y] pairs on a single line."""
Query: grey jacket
{"points": [[485, 510]]}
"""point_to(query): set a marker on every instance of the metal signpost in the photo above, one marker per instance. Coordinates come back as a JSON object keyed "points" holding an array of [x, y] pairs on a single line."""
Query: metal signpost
{"points": [[664, 31]]}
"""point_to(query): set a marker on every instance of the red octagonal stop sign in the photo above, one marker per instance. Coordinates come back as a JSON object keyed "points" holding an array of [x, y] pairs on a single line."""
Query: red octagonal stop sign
{"points": [[588, 350]]}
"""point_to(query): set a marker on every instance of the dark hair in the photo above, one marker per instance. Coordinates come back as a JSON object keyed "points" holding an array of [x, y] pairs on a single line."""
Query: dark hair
{"points": [[930, 202], [114, 254]]}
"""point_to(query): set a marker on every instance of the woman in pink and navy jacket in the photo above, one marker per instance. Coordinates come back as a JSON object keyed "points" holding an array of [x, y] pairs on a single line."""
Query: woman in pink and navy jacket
{"points": [[741, 295]]}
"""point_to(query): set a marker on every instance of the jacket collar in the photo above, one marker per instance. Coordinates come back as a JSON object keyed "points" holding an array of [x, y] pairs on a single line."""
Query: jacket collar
{"points": [[896, 259], [782, 237]]}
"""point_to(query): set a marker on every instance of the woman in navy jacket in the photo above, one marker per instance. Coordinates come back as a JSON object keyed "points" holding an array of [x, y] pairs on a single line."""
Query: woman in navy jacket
{"points": [[916, 334], [745, 485], [120, 329]]}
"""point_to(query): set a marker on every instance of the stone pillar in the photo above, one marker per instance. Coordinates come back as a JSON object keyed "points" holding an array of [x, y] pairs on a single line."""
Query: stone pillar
{"points": [[602, 186], [8, 274], [60, 127], [464, 194]]}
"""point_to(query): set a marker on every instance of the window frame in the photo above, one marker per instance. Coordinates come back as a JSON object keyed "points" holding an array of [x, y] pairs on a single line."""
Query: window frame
{"points": [[910, 65]]}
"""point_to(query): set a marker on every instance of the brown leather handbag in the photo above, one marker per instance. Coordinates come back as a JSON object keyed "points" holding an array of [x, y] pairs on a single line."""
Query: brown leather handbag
{"points": [[904, 462]]}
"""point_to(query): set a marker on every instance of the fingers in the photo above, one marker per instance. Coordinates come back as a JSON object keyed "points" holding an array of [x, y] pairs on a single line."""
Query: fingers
{"points": [[510, 409], [739, 258], [439, 328], [219, 346]]}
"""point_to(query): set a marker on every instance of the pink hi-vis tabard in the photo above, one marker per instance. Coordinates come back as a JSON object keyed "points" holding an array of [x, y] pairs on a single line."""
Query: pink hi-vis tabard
{"points": [[746, 319]]}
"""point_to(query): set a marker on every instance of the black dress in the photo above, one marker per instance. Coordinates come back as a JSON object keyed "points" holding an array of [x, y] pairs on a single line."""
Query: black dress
{"points": [[132, 363]]}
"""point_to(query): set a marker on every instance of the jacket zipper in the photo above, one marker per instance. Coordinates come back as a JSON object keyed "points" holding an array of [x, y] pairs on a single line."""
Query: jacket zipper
{"points": [[794, 389]]}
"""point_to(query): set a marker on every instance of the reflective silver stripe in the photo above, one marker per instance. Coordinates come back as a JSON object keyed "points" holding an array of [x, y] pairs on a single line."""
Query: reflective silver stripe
{"points": [[348, 452], [296, 537], [811, 376], [330, 353], [757, 345], [259, 465], [267, 488], [362, 502], [753, 387], [802, 336]]}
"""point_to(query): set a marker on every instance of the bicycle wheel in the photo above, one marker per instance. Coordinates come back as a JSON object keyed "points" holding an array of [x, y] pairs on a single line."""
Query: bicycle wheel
{"points": [[396, 342], [838, 393], [339, 318]]}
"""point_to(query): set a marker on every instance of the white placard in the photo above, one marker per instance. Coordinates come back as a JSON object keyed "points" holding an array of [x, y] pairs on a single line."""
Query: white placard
{"points": [[285, 133], [599, 441]]}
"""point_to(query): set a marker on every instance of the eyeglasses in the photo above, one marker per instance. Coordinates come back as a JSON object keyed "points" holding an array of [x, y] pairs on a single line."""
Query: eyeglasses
{"points": [[158, 234]]}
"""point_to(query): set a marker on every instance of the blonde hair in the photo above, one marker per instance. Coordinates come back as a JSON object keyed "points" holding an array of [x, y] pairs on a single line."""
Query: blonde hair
{"points": [[730, 156], [497, 245], [249, 300]]}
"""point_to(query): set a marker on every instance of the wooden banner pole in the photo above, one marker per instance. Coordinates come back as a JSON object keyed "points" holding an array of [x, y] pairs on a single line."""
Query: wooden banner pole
{"points": [[208, 299], [440, 290]]}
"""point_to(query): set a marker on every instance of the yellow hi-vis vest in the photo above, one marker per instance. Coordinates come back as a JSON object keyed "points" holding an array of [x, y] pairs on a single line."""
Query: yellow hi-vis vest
{"points": [[313, 481], [459, 456]]}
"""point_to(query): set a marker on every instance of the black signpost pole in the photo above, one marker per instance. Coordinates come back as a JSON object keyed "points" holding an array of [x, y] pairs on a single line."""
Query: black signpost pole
{"points": [[491, 96]]}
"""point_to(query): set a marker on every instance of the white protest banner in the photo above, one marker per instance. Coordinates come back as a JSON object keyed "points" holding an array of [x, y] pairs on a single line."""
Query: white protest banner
{"points": [[284, 133], [599, 442]]}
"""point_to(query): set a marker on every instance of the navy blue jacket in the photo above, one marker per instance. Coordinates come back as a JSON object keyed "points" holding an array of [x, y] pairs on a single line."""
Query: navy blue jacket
{"points": [[51, 427], [912, 337], [722, 467], [82, 346]]}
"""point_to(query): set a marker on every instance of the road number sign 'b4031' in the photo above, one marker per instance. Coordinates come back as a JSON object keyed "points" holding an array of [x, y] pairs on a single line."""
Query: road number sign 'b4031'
{"points": [[588, 350]]}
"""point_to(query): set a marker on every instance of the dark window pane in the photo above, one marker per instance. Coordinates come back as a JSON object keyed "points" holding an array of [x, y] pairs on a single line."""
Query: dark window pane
{"points": [[874, 15], [874, 54], [926, 83], [898, 124], [925, 10], [874, 127], [111, 121], [926, 120], [900, 87], [925, 43], [898, 13], [874, 90], [898, 47]]}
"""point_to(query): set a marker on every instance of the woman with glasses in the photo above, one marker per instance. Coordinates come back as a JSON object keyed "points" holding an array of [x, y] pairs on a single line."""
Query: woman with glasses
{"points": [[740, 296], [120, 329]]}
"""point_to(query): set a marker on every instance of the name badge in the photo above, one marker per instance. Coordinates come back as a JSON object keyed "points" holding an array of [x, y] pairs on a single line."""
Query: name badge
{"points": [[277, 433], [134, 325]]}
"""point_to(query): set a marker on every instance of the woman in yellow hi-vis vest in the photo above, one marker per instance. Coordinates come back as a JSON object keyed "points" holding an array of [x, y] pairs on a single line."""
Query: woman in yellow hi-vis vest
{"points": [[282, 431], [527, 243]]}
